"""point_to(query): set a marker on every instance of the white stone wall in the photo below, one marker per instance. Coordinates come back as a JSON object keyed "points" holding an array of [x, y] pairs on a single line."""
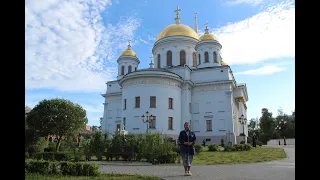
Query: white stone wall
{"points": [[112, 113], [175, 45], [210, 74], [127, 61], [212, 103], [210, 47], [144, 87]]}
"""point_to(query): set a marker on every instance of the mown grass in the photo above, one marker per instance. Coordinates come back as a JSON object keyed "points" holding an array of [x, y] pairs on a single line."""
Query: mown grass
{"points": [[100, 177], [258, 154]]}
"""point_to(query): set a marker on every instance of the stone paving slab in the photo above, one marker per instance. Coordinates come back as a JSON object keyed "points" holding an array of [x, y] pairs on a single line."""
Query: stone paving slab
{"points": [[274, 170]]}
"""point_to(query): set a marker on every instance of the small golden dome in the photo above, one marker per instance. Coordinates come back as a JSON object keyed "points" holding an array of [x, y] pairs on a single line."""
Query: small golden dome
{"points": [[177, 30], [128, 51], [223, 63], [207, 36]]}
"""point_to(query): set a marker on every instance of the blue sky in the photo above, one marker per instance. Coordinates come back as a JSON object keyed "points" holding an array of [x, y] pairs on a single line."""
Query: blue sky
{"points": [[72, 46]]}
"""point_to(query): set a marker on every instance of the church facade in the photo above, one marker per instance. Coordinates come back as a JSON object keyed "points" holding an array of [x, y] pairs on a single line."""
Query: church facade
{"points": [[187, 82]]}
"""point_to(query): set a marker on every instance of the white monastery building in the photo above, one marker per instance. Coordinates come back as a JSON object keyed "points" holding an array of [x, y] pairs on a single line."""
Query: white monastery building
{"points": [[188, 82]]}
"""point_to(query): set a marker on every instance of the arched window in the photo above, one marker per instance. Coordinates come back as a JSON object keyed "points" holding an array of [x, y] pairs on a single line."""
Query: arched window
{"points": [[182, 57], [129, 69], [122, 70], [215, 60], [158, 63], [194, 59], [206, 57], [169, 58], [199, 59]]}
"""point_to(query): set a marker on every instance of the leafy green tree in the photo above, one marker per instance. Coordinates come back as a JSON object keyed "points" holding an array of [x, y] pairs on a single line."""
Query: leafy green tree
{"points": [[267, 124], [58, 117]]}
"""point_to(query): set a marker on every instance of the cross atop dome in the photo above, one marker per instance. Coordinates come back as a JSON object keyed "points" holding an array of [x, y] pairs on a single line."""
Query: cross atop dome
{"points": [[177, 11], [206, 24], [151, 63], [129, 44]]}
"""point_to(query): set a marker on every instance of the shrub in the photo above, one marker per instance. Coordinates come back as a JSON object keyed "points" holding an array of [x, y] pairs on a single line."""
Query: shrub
{"points": [[61, 168], [213, 147], [247, 147], [198, 148], [53, 156], [228, 148]]}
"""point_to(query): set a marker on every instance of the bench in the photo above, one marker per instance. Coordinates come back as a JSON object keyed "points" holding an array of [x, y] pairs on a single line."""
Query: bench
{"points": [[127, 154]]}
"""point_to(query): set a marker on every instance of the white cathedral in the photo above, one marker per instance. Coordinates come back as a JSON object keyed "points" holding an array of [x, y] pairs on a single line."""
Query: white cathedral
{"points": [[188, 82]]}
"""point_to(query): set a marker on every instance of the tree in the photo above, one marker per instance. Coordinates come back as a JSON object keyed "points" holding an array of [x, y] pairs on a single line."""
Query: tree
{"points": [[101, 119], [266, 125], [58, 117]]}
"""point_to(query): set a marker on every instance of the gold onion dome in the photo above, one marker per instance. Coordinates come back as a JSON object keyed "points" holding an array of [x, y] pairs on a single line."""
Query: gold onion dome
{"points": [[177, 29], [207, 35], [128, 51]]}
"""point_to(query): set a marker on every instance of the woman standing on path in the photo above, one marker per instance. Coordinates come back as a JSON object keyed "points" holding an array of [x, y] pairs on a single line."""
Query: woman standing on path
{"points": [[186, 140]]}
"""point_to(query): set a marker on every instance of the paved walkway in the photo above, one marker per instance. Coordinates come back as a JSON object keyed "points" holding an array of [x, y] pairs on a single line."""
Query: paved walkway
{"points": [[274, 170]]}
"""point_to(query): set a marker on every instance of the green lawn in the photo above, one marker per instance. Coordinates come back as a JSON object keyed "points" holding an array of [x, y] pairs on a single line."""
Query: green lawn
{"points": [[101, 177], [259, 154]]}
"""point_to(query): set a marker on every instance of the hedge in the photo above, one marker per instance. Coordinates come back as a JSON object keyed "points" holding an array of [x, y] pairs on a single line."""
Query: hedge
{"points": [[61, 168]]}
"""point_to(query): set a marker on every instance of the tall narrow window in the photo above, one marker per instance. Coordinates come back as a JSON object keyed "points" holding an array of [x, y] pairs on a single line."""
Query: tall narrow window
{"points": [[153, 101], [169, 58], [170, 103], [124, 123], [137, 101], [170, 126], [199, 59], [122, 70], [152, 123], [118, 127], [135, 68], [194, 59], [159, 61], [124, 104], [215, 60], [206, 57], [209, 125], [129, 69], [182, 57]]}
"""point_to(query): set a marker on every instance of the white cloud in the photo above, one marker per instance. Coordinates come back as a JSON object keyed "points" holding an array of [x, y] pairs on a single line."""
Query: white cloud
{"points": [[69, 48], [265, 70], [250, 2], [267, 35]]}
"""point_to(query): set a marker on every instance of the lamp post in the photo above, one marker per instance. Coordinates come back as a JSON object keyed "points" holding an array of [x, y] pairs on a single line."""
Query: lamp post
{"points": [[148, 120], [279, 127], [243, 121]]}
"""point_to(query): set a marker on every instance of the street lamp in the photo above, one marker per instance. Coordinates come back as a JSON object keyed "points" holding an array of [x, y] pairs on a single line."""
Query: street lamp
{"points": [[278, 127], [149, 119], [243, 121]]}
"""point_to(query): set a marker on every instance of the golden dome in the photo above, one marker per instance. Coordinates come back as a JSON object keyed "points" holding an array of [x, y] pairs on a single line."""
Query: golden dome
{"points": [[128, 51], [223, 63], [177, 30], [207, 36]]}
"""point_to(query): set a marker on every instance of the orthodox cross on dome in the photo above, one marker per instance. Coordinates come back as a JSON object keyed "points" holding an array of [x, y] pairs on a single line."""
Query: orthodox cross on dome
{"points": [[206, 24], [129, 44], [151, 59], [177, 11], [151, 63]]}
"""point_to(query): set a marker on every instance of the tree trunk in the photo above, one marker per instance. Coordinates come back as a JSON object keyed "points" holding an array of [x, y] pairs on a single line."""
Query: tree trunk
{"points": [[58, 144]]}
